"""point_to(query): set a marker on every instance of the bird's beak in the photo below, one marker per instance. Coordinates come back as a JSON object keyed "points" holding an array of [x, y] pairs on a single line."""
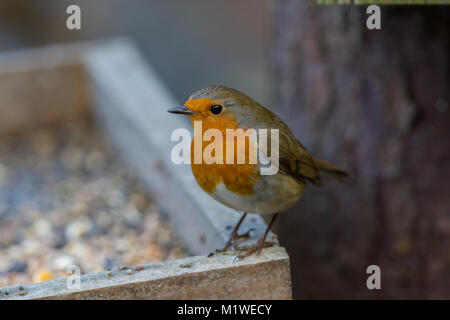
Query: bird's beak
{"points": [[180, 110]]}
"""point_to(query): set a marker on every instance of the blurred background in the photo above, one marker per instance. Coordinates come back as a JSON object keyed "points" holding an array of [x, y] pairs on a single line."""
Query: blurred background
{"points": [[375, 102], [191, 44]]}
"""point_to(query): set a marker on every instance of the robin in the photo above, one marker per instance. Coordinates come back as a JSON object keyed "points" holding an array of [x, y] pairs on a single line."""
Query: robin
{"points": [[241, 186]]}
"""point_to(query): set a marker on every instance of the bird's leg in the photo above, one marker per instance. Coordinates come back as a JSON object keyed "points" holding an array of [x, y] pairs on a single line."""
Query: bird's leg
{"points": [[234, 234], [245, 235], [261, 242]]}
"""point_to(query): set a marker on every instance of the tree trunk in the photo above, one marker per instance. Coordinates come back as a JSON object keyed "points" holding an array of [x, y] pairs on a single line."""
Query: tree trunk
{"points": [[374, 102]]}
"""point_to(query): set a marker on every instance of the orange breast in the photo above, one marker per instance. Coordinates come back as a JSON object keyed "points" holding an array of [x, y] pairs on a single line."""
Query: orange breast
{"points": [[238, 178]]}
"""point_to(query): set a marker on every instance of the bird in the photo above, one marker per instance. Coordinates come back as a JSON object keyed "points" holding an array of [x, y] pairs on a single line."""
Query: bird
{"points": [[242, 186]]}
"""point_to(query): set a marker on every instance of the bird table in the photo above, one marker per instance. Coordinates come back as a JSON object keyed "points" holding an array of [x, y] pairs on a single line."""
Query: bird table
{"points": [[112, 82]]}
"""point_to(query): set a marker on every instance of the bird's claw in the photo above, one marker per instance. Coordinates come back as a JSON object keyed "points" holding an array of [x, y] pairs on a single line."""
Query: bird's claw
{"points": [[234, 237], [244, 235], [255, 249], [238, 237]]}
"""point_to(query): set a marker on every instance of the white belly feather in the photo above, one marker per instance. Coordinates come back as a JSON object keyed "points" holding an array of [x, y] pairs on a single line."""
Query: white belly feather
{"points": [[272, 194]]}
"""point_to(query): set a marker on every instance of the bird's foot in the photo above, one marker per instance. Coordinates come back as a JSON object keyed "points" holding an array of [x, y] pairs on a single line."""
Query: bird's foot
{"points": [[232, 241], [255, 249], [238, 237]]}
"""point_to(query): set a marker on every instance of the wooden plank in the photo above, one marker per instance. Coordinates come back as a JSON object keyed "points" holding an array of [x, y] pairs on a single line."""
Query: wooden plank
{"points": [[218, 277], [132, 104], [42, 86]]}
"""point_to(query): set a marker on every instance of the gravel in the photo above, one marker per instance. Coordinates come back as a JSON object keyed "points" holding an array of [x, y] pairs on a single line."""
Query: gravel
{"points": [[67, 199]]}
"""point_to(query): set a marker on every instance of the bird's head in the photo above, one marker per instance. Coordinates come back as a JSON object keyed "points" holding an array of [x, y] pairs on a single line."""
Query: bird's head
{"points": [[217, 106]]}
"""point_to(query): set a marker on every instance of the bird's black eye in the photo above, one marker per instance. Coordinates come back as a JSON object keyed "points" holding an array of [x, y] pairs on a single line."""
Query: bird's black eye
{"points": [[216, 109]]}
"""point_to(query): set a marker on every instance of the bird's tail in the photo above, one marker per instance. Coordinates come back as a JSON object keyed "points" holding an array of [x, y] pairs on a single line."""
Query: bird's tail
{"points": [[332, 170]]}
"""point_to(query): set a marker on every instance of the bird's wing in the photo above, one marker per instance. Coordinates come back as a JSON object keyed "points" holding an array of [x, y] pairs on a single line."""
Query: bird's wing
{"points": [[295, 160]]}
